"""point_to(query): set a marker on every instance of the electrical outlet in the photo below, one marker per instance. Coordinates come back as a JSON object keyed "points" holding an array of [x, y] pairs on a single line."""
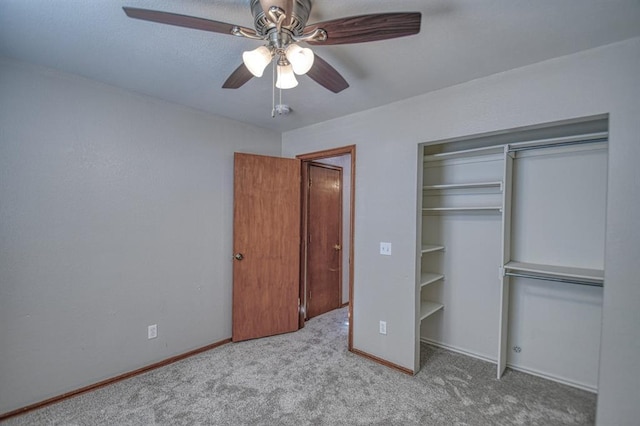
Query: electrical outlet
{"points": [[152, 331], [385, 249], [383, 327]]}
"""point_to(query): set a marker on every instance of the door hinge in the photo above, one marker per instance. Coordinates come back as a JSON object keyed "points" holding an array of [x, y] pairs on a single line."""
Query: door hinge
{"points": [[310, 182]]}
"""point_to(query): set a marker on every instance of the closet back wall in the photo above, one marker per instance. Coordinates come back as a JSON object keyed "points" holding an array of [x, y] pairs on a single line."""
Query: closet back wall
{"points": [[115, 213], [558, 218]]}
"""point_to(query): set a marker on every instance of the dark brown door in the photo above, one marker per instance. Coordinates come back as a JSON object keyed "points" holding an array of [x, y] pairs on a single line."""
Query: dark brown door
{"points": [[266, 244], [324, 239]]}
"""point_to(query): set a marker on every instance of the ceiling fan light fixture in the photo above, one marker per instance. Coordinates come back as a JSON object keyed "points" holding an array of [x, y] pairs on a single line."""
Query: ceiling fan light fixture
{"points": [[286, 78], [301, 58], [257, 60]]}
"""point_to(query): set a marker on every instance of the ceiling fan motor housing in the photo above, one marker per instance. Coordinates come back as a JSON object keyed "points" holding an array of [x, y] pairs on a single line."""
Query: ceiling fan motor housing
{"points": [[294, 23]]}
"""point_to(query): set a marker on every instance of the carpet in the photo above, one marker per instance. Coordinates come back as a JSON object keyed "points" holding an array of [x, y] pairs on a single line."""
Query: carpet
{"points": [[309, 378]]}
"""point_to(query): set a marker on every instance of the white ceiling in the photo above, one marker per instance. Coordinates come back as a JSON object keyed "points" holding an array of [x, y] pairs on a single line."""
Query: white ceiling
{"points": [[460, 40]]}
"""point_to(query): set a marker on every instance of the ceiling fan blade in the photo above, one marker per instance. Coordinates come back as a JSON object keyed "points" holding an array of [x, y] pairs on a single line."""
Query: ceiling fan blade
{"points": [[327, 76], [363, 28], [182, 20], [238, 78]]}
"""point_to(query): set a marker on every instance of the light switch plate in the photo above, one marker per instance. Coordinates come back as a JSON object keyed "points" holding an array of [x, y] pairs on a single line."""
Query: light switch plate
{"points": [[385, 249]]}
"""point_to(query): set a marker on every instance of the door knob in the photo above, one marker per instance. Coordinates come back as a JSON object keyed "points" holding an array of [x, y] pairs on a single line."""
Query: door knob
{"points": [[238, 256], [337, 247]]}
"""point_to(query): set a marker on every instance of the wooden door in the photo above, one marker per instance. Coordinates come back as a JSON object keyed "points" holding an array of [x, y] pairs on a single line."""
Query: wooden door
{"points": [[324, 239], [266, 244]]}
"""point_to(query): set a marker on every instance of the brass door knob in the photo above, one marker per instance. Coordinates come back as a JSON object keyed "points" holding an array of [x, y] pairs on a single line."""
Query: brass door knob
{"points": [[238, 256], [337, 247]]}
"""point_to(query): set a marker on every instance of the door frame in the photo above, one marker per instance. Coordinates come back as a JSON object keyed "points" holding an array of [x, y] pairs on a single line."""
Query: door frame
{"points": [[337, 152]]}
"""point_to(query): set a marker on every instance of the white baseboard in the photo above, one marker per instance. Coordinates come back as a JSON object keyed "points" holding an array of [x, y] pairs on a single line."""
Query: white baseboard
{"points": [[533, 372], [562, 380], [458, 350]]}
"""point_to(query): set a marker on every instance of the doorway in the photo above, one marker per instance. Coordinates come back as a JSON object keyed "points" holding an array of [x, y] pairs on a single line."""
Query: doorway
{"points": [[344, 157], [261, 200], [322, 221]]}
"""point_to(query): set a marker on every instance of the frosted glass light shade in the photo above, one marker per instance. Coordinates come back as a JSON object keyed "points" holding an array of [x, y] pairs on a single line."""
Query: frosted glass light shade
{"points": [[286, 78], [301, 58], [257, 60]]}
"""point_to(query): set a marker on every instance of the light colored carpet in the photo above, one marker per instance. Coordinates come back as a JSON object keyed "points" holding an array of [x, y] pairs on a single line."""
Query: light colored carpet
{"points": [[309, 378]]}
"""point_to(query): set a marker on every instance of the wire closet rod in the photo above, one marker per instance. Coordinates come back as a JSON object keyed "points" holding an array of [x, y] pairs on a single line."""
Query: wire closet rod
{"points": [[553, 145], [560, 280]]}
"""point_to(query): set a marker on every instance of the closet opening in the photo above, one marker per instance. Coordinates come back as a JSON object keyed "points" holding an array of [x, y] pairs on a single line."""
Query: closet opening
{"points": [[510, 258]]}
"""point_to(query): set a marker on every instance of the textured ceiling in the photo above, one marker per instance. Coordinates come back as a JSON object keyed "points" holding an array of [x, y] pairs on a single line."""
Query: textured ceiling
{"points": [[460, 40]]}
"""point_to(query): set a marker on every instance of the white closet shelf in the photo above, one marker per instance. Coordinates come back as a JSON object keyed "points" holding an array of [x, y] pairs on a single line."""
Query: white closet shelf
{"points": [[427, 308], [588, 138], [462, 209], [470, 185], [429, 248], [465, 153], [596, 275], [429, 278]]}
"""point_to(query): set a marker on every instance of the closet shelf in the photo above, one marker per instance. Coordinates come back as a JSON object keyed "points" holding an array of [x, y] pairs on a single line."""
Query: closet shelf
{"points": [[461, 209], [427, 308], [465, 153], [470, 185], [429, 278], [595, 275], [600, 137], [429, 248]]}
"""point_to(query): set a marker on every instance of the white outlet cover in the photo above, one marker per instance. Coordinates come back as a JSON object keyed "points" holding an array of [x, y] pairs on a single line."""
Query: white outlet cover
{"points": [[152, 331], [383, 327], [385, 249]]}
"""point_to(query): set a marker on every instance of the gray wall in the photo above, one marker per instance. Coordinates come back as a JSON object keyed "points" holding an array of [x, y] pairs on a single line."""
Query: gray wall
{"points": [[602, 80], [115, 213]]}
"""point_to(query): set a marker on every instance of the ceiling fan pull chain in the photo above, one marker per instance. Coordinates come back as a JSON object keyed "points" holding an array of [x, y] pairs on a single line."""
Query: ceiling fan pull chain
{"points": [[273, 89]]}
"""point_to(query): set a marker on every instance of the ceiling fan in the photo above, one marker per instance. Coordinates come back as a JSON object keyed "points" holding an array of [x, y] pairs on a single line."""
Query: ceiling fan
{"points": [[282, 25]]}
